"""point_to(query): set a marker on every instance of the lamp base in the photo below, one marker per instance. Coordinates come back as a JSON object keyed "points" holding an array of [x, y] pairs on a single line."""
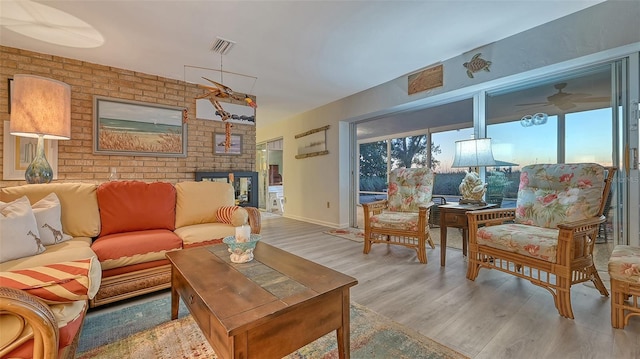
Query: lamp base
{"points": [[39, 170]]}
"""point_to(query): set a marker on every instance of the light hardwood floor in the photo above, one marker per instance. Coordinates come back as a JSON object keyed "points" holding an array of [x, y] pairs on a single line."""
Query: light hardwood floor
{"points": [[495, 316]]}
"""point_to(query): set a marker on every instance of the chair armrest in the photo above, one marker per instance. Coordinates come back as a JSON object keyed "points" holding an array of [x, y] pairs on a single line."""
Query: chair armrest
{"points": [[589, 222], [375, 207], [428, 205], [490, 217], [36, 314], [255, 221]]}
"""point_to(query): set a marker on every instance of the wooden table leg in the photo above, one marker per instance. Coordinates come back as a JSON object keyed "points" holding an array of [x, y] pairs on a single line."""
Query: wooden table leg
{"points": [[344, 333], [465, 240], [175, 298], [443, 241]]}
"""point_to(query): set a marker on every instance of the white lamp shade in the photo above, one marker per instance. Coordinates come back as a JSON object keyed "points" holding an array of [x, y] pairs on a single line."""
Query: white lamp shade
{"points": [[473, 153], [40, 106]]}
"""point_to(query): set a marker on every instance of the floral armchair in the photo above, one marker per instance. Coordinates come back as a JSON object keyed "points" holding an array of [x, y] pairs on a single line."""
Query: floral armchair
{"points": [[548, 238], [402, 219]]}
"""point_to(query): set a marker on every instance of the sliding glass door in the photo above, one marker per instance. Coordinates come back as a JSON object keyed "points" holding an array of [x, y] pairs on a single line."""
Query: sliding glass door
{"points": [[577, 117]]}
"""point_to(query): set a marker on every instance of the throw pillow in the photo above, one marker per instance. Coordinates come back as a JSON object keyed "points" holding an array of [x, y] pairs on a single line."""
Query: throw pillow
{"points": [[47, 212], [224, 213], [234, 215], [62, 282], [19, 236]]}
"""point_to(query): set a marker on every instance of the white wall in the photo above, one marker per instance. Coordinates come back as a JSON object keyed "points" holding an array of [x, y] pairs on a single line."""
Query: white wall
{"points": [[579, 38]]}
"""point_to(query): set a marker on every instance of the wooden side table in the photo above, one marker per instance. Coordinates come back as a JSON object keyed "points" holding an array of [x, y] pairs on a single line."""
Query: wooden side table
{"points": [[455, 215]]}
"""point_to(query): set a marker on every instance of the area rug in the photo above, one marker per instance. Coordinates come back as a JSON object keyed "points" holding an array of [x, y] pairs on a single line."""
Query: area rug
{"points": [[372, 336], [352, 234]]}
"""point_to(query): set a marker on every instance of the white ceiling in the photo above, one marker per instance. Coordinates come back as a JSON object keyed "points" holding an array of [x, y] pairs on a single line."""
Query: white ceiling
{"points": [[304, 54]]}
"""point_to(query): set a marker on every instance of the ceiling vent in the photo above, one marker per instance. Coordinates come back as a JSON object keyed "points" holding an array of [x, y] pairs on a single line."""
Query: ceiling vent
{"points": [[222, 46]]}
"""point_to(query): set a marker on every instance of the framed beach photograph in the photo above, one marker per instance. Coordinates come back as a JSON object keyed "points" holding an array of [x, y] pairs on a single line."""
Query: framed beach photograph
{"points": [[218, 144], [135, 128], [18, 152]]}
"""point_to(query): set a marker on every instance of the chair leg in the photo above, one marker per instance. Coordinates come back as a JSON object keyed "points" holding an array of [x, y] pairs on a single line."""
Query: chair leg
{"points": [[597, 281], [473, 267], [563, 298], [617, 310], [367, 242], [422, 249]]}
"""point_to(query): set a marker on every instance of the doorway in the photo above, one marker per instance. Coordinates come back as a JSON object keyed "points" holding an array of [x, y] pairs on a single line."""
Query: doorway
{"points": [[270, 182]]}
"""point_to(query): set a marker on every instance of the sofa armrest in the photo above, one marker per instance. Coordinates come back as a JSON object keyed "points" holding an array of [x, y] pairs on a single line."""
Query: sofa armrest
{"points": [[255, 221], [35, 313]]}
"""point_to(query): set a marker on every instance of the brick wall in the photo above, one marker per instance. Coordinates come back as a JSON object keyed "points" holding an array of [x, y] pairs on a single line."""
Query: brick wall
{"points": [[76, 161]]}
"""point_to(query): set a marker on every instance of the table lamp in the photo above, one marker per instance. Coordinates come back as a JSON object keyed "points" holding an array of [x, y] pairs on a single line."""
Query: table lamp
{"points": [[473, 153], [40, 108]]}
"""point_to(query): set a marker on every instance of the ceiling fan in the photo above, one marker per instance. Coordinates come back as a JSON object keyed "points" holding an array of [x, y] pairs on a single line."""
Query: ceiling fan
{"points": [[566, 100]]}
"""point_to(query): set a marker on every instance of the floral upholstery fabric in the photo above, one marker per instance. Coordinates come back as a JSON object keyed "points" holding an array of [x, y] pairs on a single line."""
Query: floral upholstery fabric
{"points": [[624, 264], [409, 188], [553, 194], [531, 241], [406, 221]]}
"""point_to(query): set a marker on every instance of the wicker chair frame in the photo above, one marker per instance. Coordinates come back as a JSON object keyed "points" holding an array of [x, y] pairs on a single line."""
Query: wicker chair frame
{"points": [[411, 239], [574, 262], [625, 302]]}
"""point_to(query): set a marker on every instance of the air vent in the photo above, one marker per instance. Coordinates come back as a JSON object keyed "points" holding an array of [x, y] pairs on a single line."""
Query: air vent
{"points": [[222, 46]]}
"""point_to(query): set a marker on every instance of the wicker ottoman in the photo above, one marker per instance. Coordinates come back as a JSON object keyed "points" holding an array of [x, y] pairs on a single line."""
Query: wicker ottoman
{"points": [[624, 270]]}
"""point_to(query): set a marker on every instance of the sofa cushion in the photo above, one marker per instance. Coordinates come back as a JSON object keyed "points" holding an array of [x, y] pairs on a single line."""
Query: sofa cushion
{"points": [[233, 215], [624, 264], [531, 241], [198, 234], [80, 217], [123, 249], [404, 221], [197, 202], [19, 235], [549, 195], [54, 283], [47, 212], [127, 206], [71, 250]]}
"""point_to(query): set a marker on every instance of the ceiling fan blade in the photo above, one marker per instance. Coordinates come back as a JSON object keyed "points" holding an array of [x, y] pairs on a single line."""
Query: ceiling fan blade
{"points": [[564, 106], [594, 99], [533, 104]]}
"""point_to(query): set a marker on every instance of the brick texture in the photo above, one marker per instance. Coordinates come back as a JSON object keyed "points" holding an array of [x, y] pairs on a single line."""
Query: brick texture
{"points": [[76, 160]]}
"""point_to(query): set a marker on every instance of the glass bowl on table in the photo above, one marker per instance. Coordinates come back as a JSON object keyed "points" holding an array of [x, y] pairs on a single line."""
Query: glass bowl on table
{"points": [[241, 252]]}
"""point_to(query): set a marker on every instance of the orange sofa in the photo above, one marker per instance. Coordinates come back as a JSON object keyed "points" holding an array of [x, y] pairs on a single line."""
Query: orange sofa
{"points": [[119, 232]]}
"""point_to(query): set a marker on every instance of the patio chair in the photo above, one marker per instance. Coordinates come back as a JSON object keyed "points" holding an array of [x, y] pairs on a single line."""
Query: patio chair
{"points": [[403, 218], [549, 237]]}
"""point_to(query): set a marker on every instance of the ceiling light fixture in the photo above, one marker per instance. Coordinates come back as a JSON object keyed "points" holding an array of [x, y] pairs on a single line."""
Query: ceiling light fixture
{"points": [[539, 118], [48, 24]]}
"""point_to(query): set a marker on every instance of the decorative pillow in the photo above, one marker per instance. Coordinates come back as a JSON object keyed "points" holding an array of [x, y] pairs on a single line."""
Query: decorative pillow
{"points": [[19, 236], [62, 282], [47, 212], [234, 215]]}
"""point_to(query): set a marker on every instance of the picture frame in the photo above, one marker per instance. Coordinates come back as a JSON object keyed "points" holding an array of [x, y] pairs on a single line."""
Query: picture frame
{"points": [[9, 88], [18, 152], [123, 127], [218, 144]]}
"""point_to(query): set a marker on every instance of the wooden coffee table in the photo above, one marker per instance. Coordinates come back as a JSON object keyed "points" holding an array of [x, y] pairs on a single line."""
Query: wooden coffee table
{"points": [[266, 308]]}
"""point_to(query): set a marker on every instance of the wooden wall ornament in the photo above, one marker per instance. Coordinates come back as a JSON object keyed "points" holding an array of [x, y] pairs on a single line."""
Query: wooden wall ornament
{"points": [[425, 80], [221, 93], [312, 143]]}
